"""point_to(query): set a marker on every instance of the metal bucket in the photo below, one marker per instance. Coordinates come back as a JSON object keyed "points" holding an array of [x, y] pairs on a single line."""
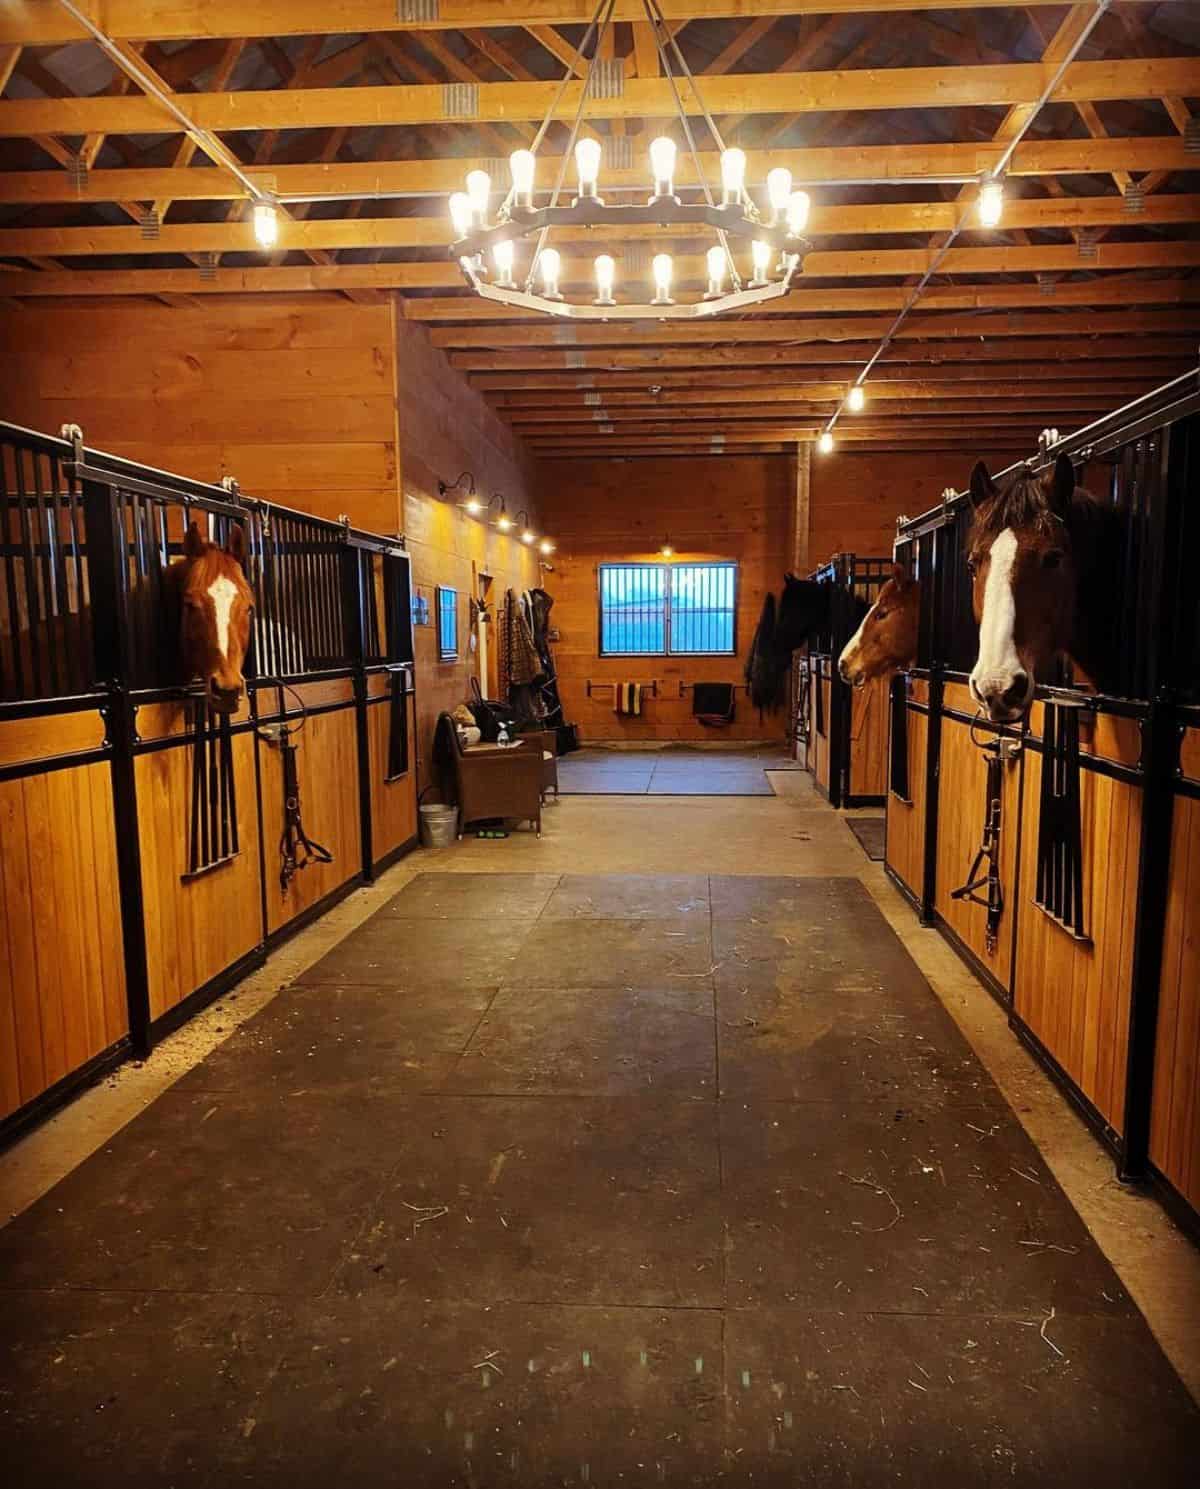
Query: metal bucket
{"points": [[439, 825]]}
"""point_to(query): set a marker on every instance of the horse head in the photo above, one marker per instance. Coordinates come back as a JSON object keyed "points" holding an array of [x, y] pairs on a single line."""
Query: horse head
{"points": [[1025, 576], [217, 604], [803, 611], [887, 637]]}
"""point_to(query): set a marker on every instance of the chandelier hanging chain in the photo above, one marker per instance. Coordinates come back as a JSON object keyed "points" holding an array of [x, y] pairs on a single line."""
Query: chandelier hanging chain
{"points": [[660, 31], [606, 7]]}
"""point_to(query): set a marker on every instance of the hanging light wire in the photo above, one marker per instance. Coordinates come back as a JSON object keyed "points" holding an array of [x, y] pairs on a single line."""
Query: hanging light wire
{"points": [[993, 174]]}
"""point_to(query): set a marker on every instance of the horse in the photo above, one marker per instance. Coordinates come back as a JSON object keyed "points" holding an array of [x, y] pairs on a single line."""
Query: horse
{"points": [[887, 638], [803, 611], [216, 605], [1044, 557]]}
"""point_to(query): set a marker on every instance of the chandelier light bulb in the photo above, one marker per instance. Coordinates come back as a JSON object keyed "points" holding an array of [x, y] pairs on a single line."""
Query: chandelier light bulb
{"points": [[479, 190], [760, 255], [605, 276], [733, 176], [502, 253], [991, 203], [266, 223], [779, 191], [662, 163], [460, 213], [856, 398], [522, 165], [662, 267], [587, 163], [797, 212], [551, 266], [715, 259], [825, 443]]}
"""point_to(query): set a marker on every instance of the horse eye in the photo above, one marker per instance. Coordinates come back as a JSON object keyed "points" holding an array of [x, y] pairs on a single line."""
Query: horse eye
{"points": [[881, 614], [1052, 559]]}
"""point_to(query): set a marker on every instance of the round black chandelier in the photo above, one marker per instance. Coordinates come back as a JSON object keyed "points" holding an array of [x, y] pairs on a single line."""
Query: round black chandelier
{"points": [[486, 245]]}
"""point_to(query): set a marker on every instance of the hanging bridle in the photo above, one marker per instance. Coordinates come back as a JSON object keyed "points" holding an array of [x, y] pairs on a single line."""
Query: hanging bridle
{"points": [[983, 886], [296, 849]]}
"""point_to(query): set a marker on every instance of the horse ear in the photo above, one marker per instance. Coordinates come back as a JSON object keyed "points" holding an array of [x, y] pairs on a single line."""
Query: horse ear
{"points": [[983, 488], [1062, 486], [900, 575], [235, 544], [194, 542]]}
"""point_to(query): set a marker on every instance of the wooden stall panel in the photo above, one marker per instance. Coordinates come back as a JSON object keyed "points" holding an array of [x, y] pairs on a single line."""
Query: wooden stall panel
{"points": [[869, 738], [906, 820], [819, 756], [195, 928], [1074, 995], [962, 810], [393, 803], [327, 768], [1175, 1112], [62, 975]]}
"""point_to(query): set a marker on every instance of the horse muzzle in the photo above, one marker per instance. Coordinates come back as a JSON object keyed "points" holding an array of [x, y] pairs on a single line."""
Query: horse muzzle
{"points": [[224, 700]]}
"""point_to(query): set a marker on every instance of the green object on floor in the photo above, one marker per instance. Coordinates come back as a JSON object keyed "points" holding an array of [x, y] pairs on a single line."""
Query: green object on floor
{"points": [[492, 832]]}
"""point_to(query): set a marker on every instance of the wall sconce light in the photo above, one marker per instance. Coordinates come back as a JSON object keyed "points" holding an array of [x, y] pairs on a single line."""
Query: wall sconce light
{"points": [[666, 550], [503, 521], [528, 536], [465, 482]]}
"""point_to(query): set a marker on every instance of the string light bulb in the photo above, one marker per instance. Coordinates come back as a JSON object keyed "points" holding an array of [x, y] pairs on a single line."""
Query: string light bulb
{"points": [[825, 443], [715, 259], [662, 163], [991, 203], [479, 191], [856, 398], [551, 265], [522, 165], [663, 269], [606, 270], [733, 176], [587, 164], [266, 223]]}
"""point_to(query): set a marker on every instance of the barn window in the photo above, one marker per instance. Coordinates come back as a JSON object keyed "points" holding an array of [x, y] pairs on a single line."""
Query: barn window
{"points": [[447, 623], [668, 609]]}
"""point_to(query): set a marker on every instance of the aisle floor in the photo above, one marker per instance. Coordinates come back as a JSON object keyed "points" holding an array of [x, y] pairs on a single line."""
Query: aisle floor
{"points": [[673, 770], [583, 1178]]}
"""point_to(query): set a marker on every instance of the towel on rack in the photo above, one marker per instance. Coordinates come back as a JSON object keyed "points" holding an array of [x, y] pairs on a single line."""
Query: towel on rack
{"points": [[712, 703], [627, 700]]}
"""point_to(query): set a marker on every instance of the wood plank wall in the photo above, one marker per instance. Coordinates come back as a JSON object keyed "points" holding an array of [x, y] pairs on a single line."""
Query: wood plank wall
{"points": [[869, 738], [393, 803], [294, 399], [1175, 1114], [445, 427], [621, 511], [906, 820]]}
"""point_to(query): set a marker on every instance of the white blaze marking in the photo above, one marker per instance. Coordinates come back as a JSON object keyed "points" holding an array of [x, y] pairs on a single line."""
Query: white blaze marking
{"points": [[998, 658], [222, 592], [851, 647]]}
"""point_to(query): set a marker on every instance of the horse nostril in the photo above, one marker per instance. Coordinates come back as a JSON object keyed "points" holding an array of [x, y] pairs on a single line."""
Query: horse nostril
{"points": [[1014, 694]]}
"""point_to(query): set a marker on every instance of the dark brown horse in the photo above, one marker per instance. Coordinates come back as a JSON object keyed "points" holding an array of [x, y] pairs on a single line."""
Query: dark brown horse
{"points": [[1044, 556], [887, 638], [216, 606]]}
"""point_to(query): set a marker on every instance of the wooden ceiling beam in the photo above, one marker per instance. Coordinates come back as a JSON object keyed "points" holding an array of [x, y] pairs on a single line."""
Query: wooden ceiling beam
{"points": [[543, 407], [893, 218], [45, 23], [1018, 84], [439, 177], [1051, 410]]}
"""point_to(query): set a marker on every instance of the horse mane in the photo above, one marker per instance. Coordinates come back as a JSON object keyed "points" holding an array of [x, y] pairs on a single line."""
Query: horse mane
{"points": [[1024, 501]]}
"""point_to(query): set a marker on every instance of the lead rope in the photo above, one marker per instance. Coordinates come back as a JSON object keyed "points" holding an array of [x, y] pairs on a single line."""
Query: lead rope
{"points": [[984, 873]]}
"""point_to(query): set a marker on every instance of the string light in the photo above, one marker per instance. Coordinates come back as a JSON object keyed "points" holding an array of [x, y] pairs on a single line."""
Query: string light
{"points": [[825, 443], [266, 223], [856, 398], [991, 203]]}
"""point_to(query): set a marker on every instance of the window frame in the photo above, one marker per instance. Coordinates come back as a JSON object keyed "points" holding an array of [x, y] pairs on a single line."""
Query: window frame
{"points": [[446, 606], [669, 570]]}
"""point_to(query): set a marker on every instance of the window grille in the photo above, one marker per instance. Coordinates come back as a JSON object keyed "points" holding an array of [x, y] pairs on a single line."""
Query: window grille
{"points": [[668, 609], [447, 623], [213, 836], [1060, 846]]}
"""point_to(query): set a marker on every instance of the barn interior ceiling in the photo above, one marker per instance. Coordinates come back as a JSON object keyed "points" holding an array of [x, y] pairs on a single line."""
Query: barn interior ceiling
{"points": [[130, 163]]}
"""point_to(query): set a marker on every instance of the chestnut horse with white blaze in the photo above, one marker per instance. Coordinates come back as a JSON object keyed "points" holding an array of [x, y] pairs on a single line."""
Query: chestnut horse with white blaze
{"points": [[1044, 556], [887, 638], [217, 604]]}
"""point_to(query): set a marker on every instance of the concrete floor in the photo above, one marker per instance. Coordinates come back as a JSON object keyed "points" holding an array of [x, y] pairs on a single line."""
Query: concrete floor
{"points": [[188, 1342], [672, 770]]}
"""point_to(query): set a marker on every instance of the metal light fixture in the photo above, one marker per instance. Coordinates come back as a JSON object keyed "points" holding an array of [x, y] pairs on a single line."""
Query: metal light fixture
{"points": [[991, 203], [464, 481], [266, 222], [485, 245]]}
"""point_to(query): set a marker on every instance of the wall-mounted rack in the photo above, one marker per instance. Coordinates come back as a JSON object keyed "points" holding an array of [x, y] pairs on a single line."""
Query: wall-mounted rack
{"points": [[646, 687]]}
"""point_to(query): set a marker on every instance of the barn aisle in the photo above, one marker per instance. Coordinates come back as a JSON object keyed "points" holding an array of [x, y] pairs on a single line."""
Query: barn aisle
{"points": [[554, 1176]]}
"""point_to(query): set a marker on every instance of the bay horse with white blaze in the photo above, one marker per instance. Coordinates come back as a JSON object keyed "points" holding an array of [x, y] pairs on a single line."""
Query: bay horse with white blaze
{"points": [[886, 640], [1044, 557], [216, 604]]}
